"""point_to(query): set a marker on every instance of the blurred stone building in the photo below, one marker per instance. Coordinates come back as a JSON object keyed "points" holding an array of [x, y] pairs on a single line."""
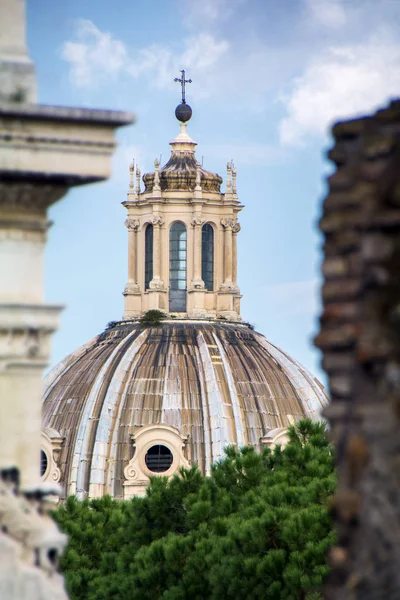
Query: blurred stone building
{"points": [[44, 150]]}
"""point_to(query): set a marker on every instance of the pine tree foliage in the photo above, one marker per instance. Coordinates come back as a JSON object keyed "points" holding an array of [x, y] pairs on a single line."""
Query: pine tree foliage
{"points": [[258, 527]]}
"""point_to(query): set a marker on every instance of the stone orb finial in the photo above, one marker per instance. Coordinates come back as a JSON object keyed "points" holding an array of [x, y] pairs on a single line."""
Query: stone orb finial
{"points": [[183, 112]]}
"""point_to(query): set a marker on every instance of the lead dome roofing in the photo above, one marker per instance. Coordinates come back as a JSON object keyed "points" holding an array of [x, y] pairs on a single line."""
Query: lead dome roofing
{"points": [[219, 383], [179, 173]]}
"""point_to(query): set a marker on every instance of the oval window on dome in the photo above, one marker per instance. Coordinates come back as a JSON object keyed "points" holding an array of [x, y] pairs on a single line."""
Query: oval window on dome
{"points": [[158, 458], [43, 463]]}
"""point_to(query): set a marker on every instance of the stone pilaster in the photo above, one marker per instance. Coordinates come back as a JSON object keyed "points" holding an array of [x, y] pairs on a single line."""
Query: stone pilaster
{"points": [[197, 222], [228, 224], [133, 227], [157, 282], [235, 230]]}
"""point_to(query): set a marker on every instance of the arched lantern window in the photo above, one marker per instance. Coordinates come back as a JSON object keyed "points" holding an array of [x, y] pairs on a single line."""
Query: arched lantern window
{"points": [[177, 267], [207, 256], [148, 256], [44, 463]]}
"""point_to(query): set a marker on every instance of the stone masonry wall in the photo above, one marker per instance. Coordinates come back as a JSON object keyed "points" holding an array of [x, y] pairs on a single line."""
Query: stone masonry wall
{"points": [[360, 341]]}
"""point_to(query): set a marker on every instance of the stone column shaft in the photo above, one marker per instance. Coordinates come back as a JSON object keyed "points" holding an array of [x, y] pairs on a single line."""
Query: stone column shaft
{"points": [[132, 266], [133, 226], [197, 223], [228, 250], [157, 252], [235, 231], [197, 252], [228, 255], [157, 282]]}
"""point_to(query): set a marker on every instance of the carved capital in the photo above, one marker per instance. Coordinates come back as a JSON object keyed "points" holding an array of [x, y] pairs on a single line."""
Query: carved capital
{"points": [[236, 227], [228, 223], [197, 222], [132, 224], [21, 196], [157, 221]]}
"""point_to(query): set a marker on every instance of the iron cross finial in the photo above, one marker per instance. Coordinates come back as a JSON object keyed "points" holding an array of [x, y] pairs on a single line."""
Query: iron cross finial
{"points": [[182, 81]]}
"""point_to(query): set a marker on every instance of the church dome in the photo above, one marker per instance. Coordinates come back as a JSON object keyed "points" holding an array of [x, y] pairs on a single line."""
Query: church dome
{"points": [[140, 400]]}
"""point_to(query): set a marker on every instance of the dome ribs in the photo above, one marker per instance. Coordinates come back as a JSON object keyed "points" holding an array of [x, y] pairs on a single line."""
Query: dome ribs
{"points": [[309, 391], [85, 438], [104, 477], [71, 394], [218, 383]]}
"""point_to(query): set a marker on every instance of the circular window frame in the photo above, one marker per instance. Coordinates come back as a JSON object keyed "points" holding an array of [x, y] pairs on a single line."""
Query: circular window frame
{"points": [[160, 453], [173, 466], [47, 470]]}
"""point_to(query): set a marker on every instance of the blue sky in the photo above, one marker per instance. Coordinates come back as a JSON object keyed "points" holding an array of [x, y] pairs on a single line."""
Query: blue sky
{"points": [[269, 78]]}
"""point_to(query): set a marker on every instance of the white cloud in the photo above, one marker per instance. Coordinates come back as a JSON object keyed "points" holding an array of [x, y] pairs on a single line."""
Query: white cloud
{"points": [[329, 13], [292, 298], [203, 51], [208, 12], [161, 64], [246, 153], [123, 157], [345, 82], [96, 57]]}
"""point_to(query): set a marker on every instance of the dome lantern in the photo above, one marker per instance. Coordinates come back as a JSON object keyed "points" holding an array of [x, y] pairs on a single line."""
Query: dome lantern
{"points": [[182, 236]]}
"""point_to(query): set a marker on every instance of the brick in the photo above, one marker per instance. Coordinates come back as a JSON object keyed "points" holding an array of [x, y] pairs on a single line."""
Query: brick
{"points": [[345, 289]]}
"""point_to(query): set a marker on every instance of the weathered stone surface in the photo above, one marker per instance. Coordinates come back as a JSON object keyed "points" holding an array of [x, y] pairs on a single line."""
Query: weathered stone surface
{"points": [[360, 339], [44, 151], [216, 383], [30, 547]]}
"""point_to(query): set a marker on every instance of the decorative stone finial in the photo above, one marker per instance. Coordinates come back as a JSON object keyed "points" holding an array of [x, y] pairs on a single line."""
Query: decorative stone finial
{"points": [[233, 179], [229, 178], [131, 173], [156, 184], [198, 177], [137, 181]]}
